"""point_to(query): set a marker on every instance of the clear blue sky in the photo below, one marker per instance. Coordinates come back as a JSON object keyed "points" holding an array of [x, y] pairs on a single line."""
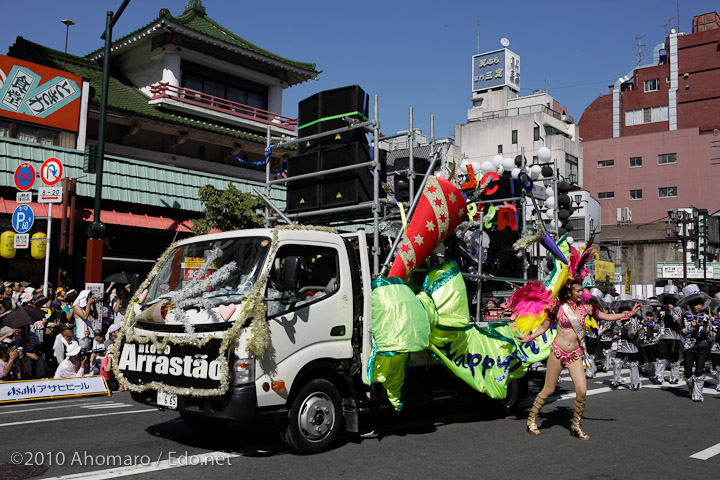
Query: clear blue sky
{"points": [[409, 53]]}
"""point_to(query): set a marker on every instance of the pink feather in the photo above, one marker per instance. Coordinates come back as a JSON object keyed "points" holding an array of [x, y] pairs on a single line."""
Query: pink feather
{"points": [[530, 300]]}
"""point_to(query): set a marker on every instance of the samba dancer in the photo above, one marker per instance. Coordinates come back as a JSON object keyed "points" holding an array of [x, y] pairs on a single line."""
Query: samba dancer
{"points": [[568, 347]]}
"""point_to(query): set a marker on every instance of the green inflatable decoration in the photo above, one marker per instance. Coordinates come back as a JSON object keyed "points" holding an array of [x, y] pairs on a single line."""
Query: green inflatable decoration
{"points": [[438, 319]]}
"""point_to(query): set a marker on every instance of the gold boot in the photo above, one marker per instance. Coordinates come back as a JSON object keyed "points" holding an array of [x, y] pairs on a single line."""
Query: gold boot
{"points": [[532, 418], [575, 429]]}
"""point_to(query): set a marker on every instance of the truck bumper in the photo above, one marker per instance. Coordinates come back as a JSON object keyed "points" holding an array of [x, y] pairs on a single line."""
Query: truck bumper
{"points": [[239, 403]]}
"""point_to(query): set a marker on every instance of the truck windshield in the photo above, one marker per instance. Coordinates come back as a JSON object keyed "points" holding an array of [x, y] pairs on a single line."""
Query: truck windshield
{"points": [[188, 265]]}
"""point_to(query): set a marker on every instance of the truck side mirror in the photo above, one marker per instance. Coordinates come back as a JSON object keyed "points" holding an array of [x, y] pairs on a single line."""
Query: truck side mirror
{"points": [[291, 273]]}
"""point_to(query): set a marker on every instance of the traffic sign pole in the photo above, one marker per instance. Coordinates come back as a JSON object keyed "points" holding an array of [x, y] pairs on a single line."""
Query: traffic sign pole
{"points": [[47, 250]]}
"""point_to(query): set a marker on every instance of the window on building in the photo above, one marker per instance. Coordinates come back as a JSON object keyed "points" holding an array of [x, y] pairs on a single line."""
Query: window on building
{"points": [[652, 85], [29, 133], [606, 163], [514, 137], [606, 195], [500, 149], [635, 162], [636, 194], [4, 128], [535, 159], [536, 133], [571, 168], [646, 115], [222, 85], [667, 192], [667, 158]]}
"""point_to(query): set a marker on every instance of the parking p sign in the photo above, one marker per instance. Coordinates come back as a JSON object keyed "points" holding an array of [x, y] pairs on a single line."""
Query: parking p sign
{"points": [[23, 218]]}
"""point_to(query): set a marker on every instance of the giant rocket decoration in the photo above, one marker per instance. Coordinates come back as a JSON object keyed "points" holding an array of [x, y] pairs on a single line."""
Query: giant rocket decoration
{"points": [[440, 210]]}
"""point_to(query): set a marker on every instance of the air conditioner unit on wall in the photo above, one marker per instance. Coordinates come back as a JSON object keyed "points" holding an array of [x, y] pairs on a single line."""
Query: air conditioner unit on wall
{"points": [[624, 215]]}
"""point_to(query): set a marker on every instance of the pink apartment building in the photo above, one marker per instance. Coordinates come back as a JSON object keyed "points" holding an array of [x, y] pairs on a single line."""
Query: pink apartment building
{"points": [[653, 143]]}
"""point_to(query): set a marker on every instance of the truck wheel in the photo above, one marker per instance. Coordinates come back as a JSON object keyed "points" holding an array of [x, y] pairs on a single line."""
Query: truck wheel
{"points": [[315, 418], [515, 392], [201, 423]]}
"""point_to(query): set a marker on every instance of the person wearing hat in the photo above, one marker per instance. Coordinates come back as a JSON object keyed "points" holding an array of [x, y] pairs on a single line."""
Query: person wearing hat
{"points": [[73, 365], [714, 306], [669, 345], [648, 336], [696, 348], [624, 335]]}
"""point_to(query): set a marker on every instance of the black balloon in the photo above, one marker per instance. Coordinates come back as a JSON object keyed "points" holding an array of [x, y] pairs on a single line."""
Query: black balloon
{"points": [[568, 227], [563, 215], [563, 187], [562, 231], [518, 160], [571, 209], [563, 199], [547, 171]]}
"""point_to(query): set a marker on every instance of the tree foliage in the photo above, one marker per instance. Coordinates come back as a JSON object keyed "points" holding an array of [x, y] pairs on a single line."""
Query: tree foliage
{"points": [[228, 209]]}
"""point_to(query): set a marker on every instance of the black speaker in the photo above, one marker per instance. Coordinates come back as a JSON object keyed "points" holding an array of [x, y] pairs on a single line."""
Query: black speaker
{"points": [[303, 195], [402, 181], [316, 115], [350, 187]]}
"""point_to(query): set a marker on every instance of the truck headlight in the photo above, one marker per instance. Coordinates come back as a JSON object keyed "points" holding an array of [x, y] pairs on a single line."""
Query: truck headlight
{"points": [[243, 371]]}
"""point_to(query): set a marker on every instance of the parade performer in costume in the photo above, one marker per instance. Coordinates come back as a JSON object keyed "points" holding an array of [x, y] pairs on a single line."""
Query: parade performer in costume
{"points": [[714, 335], [625, 338], [669, 345], [536, 309], [696, 329]]}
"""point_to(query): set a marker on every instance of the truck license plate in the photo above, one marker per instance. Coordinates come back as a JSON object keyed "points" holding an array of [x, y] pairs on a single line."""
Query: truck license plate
{"points": [[167, 400]]}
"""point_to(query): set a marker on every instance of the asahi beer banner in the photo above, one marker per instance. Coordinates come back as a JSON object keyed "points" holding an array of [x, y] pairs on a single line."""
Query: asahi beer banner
{"points": [[174, 365], [50, 388], [33, 93]]}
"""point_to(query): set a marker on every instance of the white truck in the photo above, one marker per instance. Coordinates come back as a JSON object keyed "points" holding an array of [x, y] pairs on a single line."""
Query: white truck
{"points": [[187, 341]]}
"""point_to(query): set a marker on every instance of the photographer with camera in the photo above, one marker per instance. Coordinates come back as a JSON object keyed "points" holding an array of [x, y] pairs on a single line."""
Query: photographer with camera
{"points": [[75, 363]]}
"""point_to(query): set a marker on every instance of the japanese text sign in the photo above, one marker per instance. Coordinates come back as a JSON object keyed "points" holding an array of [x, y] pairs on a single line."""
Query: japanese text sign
{"points": [[52, 388], [33, 93]]}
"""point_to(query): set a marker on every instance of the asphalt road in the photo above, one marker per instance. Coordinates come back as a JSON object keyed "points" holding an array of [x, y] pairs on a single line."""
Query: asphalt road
{"points": [[651, 433]]}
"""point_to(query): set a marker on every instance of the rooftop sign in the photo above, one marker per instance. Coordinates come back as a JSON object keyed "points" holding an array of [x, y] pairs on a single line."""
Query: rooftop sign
{"points": [[496, 69], [33, 93]]}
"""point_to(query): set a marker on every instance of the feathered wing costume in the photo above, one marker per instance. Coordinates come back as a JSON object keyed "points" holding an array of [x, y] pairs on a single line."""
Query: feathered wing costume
{"points": [[532, 303]]}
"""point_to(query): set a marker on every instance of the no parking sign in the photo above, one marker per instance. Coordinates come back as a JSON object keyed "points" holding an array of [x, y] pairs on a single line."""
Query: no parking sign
{"points": [[24, 176]]}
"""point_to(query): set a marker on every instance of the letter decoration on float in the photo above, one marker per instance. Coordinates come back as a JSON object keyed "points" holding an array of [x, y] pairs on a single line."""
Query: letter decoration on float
{"points": [[174, 365]]}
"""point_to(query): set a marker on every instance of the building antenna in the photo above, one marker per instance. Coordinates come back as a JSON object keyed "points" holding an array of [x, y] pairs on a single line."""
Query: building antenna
{"points": [[678, 15], [478, 37], [668, 25], [641, 49]]}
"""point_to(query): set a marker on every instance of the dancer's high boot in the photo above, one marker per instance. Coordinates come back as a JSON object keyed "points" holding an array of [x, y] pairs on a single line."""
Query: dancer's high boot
{"points": [[534, 411], [575, 429]]}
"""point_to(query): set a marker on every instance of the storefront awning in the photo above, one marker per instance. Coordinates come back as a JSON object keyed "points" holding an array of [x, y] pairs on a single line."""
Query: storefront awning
{"points": [[110, 217]]}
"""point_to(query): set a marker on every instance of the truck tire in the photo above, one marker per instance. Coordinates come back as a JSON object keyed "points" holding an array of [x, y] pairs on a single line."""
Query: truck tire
{"points": [[315, 418], [516, 391], [201, 423]]}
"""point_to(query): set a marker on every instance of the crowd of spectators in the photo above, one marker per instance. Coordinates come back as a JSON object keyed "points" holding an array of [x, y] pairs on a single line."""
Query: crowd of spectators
{"points": [[66, 334]]}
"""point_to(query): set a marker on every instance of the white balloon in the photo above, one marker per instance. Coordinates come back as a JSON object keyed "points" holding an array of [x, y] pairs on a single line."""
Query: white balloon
{"points": [[508, 164], [535, 171], [487, 166], [463, 167], [550, 202], [569, 240], [549, 213], [497, 160], [553, 224], [515, 172], [544, 154], [549, 192], [476, 167]]}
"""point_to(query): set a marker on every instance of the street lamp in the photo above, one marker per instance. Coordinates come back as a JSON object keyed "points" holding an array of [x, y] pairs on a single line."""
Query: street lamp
{"points": [[67, 23]]}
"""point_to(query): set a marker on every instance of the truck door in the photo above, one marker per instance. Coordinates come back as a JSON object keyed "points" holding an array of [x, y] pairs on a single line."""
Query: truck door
{"points": [[309, 312]]}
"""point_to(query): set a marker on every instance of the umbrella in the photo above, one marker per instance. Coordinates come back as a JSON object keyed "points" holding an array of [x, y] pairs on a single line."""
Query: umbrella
{"points": [[23, 316], [121, 277]]}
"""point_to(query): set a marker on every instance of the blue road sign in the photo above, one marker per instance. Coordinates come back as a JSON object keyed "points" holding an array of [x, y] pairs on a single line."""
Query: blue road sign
{"points": [[23, 218]]}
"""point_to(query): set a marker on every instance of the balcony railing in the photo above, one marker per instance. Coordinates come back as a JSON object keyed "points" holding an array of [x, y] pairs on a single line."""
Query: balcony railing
{"points": [[222, 105]]}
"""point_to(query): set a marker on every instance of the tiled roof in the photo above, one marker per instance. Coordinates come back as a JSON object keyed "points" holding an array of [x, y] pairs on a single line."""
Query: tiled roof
{"points": [[122, 95], [195, 18], [125, 179]]}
